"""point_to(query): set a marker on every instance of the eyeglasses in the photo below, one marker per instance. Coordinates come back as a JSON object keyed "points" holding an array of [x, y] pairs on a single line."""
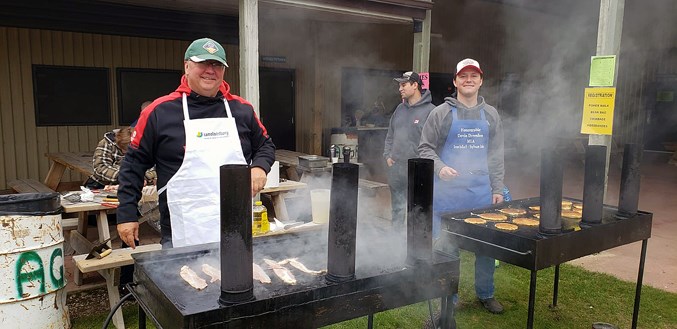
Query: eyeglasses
{"points": [[214, 64]]}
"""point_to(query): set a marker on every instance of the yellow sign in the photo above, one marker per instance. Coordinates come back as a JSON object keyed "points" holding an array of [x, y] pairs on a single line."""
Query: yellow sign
{"points": [[598, 111]]}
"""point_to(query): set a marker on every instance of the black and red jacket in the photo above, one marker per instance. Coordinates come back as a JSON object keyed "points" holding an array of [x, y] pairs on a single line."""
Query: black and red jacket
{"points": [[159, 140]]}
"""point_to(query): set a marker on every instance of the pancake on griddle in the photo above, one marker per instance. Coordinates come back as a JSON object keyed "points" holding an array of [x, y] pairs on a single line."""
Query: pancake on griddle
{"points": [[493, 216], [525, 221], [513, 211], [535, 208], [578, 206], [506, 226], [475, 220], [566, 204], [571, 214]]}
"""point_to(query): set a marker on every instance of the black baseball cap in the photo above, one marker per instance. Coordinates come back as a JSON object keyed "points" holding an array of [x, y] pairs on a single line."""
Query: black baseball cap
{"points": [[409, 77]]}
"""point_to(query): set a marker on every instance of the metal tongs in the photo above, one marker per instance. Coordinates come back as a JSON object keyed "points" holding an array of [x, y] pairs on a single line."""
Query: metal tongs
{"points": [[100, 250]]}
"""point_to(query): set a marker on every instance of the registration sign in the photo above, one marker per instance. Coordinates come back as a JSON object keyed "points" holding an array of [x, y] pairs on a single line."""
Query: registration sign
{"points": [[598, 111]]}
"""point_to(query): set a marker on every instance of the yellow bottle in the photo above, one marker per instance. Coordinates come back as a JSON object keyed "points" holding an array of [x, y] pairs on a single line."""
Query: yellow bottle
{"points": [[260, 224]]}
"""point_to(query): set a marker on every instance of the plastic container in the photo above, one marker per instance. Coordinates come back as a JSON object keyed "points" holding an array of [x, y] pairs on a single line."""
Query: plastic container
{"points": [[319, 201], [32, 291], [261, 224]]}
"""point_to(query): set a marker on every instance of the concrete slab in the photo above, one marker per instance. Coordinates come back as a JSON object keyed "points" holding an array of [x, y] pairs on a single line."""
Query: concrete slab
{"points": [[658, 194]]}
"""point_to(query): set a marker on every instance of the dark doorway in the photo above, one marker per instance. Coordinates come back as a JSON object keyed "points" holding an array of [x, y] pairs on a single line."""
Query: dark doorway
{"points": [[276, 89], [441, 86], [661, 116]]}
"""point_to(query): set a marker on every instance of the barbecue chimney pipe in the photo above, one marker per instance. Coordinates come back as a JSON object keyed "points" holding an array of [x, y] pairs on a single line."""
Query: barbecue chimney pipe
{"points": [[237, 277], [630, 177], [342, 223], [593, 185], [551, 191], [419, 211]]}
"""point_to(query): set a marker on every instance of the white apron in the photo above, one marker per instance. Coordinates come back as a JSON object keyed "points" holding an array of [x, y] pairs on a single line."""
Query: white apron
{"points": [[193, 191]]}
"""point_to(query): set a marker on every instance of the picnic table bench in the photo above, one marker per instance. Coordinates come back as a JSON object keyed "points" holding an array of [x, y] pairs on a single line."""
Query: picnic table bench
{"points": [[80, 162], [27, 185], [109, 268]]}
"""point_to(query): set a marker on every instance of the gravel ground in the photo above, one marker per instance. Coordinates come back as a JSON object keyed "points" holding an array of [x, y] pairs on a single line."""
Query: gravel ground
{"points": [[90, 302]]}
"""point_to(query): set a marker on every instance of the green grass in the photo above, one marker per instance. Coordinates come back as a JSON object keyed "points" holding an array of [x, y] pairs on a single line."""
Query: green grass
{"points": [[584, 298]]}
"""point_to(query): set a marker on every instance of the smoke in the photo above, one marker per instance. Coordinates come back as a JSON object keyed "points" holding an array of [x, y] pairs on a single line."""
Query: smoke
{"points": [[551, 60]]}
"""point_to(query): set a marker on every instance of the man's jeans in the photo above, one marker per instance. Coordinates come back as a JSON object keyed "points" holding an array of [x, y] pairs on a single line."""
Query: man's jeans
{"points": [[484, 269], [397, 180]]}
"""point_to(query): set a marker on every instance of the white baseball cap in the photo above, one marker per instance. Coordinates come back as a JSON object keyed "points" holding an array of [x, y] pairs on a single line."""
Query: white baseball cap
{"points": [[468, 62]]}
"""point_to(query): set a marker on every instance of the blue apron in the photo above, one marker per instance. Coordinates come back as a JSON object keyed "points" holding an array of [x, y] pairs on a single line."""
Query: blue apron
{"points": [[466, 151]]}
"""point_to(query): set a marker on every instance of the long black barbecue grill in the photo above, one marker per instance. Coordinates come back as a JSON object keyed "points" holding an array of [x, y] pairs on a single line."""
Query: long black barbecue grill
{"points": [[557, 240], [360, 281]]}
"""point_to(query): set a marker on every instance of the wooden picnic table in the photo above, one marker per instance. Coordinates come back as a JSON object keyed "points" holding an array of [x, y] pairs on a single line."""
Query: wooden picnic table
{"points": [[289, 160], [77, 161], [277, 194], [78, 237]]}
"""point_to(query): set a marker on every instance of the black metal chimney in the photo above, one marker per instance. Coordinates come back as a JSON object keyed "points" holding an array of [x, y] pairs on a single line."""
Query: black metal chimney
{"points": [[237, 280], [551, 191], [420, 211], [628, 198], [593, 185], [342, 223]]}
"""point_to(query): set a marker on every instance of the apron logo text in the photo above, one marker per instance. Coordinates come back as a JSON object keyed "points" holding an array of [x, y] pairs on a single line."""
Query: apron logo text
{"points": [[215, 134]]}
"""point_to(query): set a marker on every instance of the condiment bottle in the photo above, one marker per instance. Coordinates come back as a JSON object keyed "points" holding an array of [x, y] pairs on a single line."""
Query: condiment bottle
{"points": [[261, 224]]}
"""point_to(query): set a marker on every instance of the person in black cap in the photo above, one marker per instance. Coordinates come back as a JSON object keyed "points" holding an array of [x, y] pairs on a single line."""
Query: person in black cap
{"points": [[187, 135], [404, 134]]}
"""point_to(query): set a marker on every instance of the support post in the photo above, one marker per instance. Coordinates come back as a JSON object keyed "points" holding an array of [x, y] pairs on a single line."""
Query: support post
{"points": [[609, 33], [422, 44], [249, 52]]}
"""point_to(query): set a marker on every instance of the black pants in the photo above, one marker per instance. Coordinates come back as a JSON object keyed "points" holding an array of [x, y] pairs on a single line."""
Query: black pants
{"points": [[127, 271]]}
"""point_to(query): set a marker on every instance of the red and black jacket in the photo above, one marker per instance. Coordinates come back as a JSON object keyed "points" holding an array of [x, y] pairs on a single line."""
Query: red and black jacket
{"points": [[159, 140]]}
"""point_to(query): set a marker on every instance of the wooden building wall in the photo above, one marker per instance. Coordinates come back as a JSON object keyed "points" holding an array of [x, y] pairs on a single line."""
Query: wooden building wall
{"points": [[24, 145], [505, 39]]}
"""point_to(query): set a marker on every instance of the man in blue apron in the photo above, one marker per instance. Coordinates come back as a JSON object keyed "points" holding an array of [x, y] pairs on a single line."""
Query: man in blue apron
{"points": [[464, 137], [187, 135]]}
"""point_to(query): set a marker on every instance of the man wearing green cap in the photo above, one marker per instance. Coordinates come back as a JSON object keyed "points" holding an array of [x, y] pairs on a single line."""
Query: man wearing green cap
{"points": [[187, 135]]}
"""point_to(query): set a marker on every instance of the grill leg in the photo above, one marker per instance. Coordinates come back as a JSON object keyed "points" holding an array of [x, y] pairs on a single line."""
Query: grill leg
{"points": [[370, 321], [447, 320], [142, 318], [555, 287], [532, 300], [638, 290]]}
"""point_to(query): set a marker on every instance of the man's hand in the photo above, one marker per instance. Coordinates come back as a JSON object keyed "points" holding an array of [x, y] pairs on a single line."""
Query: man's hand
{"points": [[496, 198], [258, 180], [129, 232], [448, 173], [390, 162]]}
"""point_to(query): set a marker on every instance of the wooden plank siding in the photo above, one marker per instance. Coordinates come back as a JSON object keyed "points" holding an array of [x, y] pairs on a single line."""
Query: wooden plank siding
{"points": [[318, 51], [23, 144]]}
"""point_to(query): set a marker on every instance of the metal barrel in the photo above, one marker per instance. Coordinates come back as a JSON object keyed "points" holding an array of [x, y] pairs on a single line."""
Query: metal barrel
{"points": [[342, 223], [419, 211], [551, 191], [32, 294], [593, 185], [237, 277], [628, 199]]}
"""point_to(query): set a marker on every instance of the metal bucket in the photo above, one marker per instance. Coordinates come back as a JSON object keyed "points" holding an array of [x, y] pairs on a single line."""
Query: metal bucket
{"points": [[32, 278]]}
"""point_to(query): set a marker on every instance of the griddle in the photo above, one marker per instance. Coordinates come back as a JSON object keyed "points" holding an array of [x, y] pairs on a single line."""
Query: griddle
{"points": [[530, 249], [313, 302]]}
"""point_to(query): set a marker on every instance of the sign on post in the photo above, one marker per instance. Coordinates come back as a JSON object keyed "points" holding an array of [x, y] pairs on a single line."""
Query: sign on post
{"points": [[598, 111], [602, 71], [425, 78]]}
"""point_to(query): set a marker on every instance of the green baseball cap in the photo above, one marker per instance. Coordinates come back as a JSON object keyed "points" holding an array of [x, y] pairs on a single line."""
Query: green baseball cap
{"points": [[205, 49]]}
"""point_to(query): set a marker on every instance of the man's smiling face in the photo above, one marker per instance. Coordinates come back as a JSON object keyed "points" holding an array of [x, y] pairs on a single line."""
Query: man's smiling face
{"points": [[204, 77]]}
